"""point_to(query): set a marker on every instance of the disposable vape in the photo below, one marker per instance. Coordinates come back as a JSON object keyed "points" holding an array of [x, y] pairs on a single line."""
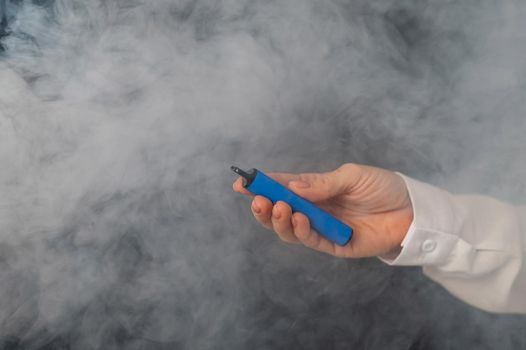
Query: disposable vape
{"points": [[324, 223]]}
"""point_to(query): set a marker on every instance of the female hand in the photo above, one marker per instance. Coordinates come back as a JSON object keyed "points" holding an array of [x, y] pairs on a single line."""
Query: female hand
{"points": [[373, 201]]}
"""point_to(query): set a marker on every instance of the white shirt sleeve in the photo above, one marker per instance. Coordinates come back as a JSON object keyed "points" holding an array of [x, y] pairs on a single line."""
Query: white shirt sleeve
{"points": [[472, 245]]}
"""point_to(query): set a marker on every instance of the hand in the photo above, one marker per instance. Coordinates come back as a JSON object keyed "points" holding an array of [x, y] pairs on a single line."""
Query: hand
{"points": [[373, 201]]}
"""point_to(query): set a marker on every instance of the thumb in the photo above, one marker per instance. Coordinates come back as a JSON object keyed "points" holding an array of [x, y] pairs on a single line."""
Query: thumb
{"points": [[321, 186]]}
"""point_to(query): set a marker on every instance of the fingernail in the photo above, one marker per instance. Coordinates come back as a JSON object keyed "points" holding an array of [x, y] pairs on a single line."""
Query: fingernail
{"points": [[256, 209], [276, 214], [300, 184]]}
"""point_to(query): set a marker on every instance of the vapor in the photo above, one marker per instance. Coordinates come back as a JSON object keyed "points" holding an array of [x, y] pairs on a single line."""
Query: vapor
{"points": [[119, 121]]}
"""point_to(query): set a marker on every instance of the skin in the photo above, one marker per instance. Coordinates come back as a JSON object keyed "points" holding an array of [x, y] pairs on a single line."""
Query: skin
{"points": [[373, 201]]}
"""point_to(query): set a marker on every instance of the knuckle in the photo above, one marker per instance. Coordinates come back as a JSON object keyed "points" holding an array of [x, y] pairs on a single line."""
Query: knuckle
{"points": [[278, 229], [268, 227], [263, 220], [348, 167], [280, 205], [283, 237], [265, 223], [276, 220], [259, 216], [338, 253], [314, 239], [309, 241]]}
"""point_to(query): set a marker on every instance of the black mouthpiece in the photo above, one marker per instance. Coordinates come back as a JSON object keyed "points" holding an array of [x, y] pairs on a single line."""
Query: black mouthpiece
{"points": [[248, 176]]}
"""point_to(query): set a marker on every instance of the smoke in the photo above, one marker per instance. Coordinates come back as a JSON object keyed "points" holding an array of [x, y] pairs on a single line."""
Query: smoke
{"points": [[119, 121]]}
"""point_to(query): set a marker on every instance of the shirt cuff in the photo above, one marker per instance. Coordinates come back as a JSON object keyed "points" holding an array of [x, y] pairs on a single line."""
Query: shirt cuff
{"points": [[430, 238]]}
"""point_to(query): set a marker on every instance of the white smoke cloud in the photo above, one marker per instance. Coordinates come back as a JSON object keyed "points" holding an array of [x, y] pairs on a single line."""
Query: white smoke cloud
{"points": [[119, 121]]}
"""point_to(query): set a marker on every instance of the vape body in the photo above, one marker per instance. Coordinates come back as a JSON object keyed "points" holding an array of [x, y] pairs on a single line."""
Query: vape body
{"points": [[325, 224]]}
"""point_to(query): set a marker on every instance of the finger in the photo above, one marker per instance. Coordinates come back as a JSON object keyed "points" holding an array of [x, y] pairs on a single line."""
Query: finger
{"points": [[312, 186], [312, 239], [262, 210], [239, 188], [284, 178], [322, 186], [281, 222]]}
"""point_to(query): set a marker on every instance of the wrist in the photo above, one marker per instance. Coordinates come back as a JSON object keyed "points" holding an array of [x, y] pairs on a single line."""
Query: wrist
{"points": [[399, 231]]}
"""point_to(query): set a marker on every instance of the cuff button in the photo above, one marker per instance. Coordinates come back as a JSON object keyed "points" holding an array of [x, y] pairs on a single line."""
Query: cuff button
{"points": [[429, 245]]}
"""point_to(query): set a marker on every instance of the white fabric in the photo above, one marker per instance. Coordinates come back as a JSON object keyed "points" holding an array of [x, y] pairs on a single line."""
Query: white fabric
{"points": [[472, 245]]}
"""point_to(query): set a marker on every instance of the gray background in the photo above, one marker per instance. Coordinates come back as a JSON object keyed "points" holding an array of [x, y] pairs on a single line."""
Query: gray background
{"points": [[119, 121]]}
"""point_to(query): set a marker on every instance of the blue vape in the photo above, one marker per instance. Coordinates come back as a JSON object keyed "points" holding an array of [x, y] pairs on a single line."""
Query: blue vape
{"points": [[325, 224]]}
